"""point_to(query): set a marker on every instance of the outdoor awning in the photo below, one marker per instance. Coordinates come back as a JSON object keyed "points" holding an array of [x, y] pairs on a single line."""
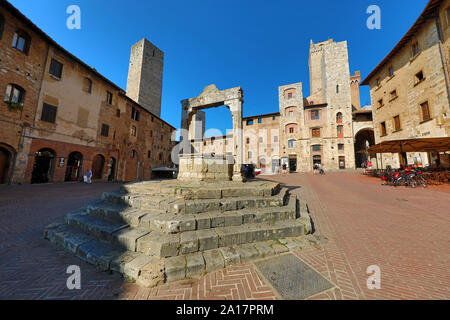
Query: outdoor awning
{"points": [[412, 145]]}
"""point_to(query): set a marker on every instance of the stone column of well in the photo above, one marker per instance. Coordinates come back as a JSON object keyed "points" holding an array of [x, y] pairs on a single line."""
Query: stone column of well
{"points": [[235, 107]]}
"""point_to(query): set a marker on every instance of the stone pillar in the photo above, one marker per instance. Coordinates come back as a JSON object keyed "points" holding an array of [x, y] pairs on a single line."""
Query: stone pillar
{"points": [[235, 107]]}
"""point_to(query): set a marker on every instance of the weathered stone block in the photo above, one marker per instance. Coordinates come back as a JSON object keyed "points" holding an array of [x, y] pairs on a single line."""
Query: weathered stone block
{"points": [[213, 260], [208, 239], [159, 244], [203, 221], [189, 242], [119, 261], [175, 268], [247, 252], [195, 264], [230, 256], [152, 274], [228, 236], [127, 238], [264, 249], [133, 268]]}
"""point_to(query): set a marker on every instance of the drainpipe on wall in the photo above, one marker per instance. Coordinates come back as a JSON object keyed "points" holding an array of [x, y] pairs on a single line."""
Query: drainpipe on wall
{"points": [[438, 27]]}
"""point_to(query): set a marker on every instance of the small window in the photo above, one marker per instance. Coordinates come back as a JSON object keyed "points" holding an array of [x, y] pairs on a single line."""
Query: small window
{"points": [[160, 156], [87, 85], [380, 103], [291, 130], [397, 123], [56, 68], [416, 48], [151, 133], [425, 110], [248, 140], [133, 154], [118, 113], [315, 115], [133, 131], [275, 139], [105, 130], [153, 119], [2, 26], [316, 147], [419, 77], [109, 98], [315, 132], [383, 128], [249, 154], [135, 114], [48, 113], [291, 114], [341, 146], [149, 154], [291, 143], [249, 122], [340, 131], [339, 117], [289, 95], [14, 94], [21, 41], [259, 120], [260, 139], [337, 88], [391, 71], [393, 94]]}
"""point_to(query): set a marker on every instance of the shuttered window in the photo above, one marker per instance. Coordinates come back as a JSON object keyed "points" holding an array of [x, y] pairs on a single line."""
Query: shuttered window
{"points": [[48, 113]]}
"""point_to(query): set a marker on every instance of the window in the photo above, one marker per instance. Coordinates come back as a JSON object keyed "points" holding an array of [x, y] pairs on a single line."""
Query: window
{"points": [[291, 143], [133, 131], [291, 130], [118, 113], [397, 123], [337, 88], [383, 128], [109, 98], [259, 120], [291, 114], [87, 85], [249, 122], [340, 131], [14, 94], [48, 113], [378, 82], [105, 130], [135, 114], [260, 139], [315, 132], [249, 154], [21, 41], [133, 154], [419, 77], [275, 139], [56, 68], [316, 147], [149, 154], [315, 115], [289, 95], [425, 110], [391, 71], [393, 94], [339, 117], [416, 48], [380, 103], [2, 25], [153, 119], [151, 133], [341, 146], [248, 140]]}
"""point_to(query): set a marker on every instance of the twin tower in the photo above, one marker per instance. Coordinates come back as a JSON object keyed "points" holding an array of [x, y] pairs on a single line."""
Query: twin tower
{"points": [[145, 74]]}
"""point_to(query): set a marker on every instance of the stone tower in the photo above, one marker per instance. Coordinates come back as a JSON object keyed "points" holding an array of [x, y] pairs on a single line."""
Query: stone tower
{"points": [[144, 84], [354, 84]]}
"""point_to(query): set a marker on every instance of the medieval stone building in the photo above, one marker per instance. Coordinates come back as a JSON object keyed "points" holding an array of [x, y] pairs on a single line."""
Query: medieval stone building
{"points": [[60, 118]]}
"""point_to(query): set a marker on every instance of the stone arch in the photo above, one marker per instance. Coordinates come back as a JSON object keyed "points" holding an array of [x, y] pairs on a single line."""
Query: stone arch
{"points": [[7, 159], [289, 93], [74, 166], [291, 128], [43, 166], [364, 138], [98, 164]]}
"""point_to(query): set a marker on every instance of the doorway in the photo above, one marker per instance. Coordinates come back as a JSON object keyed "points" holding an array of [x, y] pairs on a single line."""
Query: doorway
{"points": [[341, 162], [275, 165], [317, 159], [97, 166], [403, 159], [111, 169], [74, 167], [44, 166], [292, 164], [5, 160]]}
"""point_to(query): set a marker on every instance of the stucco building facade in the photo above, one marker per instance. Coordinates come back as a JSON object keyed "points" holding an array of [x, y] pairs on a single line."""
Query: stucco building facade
{"points": [[60, 118]]}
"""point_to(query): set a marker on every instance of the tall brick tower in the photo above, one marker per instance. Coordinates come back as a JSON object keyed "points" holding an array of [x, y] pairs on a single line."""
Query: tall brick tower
{"points": [[144, 84]]}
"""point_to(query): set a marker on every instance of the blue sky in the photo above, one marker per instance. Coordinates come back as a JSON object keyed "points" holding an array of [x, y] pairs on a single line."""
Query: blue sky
{"points": [[258, 45]]}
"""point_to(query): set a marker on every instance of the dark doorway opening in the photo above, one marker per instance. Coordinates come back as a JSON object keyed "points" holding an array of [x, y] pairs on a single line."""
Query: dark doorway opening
{"points": [[111, 169], [341, 162], [363, 140], [97, 166], [292, 164], [74, 167], [5, 163], [317, 159], [44, 166]]}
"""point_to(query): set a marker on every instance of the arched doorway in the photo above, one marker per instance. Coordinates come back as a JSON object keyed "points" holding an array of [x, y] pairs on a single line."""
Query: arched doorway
{"points": [[112, 169], [6, 157], [44, 166], [97, 166], [74, 167], [363, 140]]}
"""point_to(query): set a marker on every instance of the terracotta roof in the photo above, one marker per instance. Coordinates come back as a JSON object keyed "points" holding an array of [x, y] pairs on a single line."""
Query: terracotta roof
{"points": [[428, 13], [47, 38]]}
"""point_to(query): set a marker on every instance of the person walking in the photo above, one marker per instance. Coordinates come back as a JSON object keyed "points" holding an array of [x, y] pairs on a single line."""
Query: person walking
{"points": [[284, 168], [89, 176], [315, 168]]}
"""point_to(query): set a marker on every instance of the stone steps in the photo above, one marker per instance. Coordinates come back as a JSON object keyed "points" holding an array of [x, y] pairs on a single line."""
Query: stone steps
{"points": [[150, 271]]}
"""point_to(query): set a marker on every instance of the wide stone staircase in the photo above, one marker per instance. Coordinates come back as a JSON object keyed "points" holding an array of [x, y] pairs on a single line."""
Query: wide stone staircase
{"points": [[159, 231]]}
